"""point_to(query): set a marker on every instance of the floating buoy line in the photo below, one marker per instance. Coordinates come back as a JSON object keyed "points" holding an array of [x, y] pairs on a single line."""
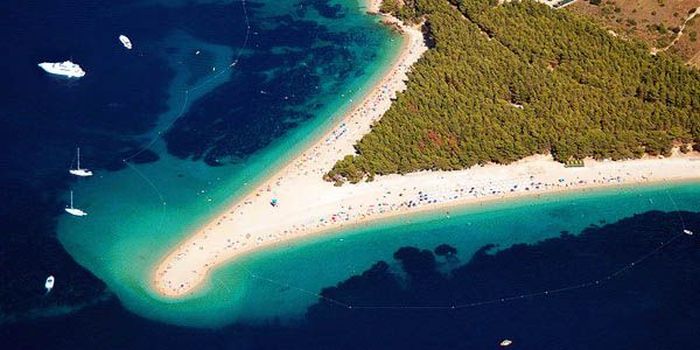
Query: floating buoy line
{"points": [[183, 108], [49, 283], [685, 231], [505, 299]]}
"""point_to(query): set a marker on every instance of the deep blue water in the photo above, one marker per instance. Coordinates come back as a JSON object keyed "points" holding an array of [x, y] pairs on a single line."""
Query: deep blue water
{"points": [[290, 65], [649, 305], [280, 81]]}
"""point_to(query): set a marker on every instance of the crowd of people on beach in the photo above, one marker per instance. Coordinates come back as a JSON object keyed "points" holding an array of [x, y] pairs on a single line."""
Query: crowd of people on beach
{"points": [[311, 164], [388, 200], [297, 201]]}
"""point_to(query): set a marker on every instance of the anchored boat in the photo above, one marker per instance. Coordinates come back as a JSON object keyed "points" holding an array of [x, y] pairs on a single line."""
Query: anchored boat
{"points": [[505, 343], [79, 171], [72, 210], [125, 41], [66, 69], [49, 283]]}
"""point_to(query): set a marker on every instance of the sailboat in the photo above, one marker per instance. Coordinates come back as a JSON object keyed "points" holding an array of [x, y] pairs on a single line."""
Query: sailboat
{"points": [[688, 232], [74, 211], [49, 283], [78, 171]]}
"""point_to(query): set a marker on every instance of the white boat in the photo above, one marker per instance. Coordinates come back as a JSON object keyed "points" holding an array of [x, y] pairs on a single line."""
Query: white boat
{"points": [[49, 283], [125, 41], [72, 210], [78, 171], [688, 232], [66, 69], [506, 342]]}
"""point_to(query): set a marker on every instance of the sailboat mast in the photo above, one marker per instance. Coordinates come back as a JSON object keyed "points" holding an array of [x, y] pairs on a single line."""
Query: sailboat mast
{"points": [[71, 199], [78, 158]]}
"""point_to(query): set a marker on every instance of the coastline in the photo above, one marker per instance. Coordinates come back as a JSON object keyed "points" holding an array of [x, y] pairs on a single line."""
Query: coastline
{"points": [[449, 208], [307, 206]]}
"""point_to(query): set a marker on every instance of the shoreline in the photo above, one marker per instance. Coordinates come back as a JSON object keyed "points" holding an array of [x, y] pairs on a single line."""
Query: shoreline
{"points": [[462, 206], [397, 67], [295, 202]]}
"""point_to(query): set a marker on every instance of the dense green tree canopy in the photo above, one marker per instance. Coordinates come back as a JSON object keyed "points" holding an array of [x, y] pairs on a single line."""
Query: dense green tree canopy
{"points": [[503, 82]]}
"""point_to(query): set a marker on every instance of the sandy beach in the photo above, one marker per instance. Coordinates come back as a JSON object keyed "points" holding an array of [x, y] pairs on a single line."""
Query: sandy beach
{"points": [[296, 202]]}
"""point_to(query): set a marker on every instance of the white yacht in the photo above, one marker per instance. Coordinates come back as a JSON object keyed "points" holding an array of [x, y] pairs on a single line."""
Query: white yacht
{"points": [[49, 283], [66, 69], [126, 41], [505, 343], [78, 171], [688, 232], [72, 210]]}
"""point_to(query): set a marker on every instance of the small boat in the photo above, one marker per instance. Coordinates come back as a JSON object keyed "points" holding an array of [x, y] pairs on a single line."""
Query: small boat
{"points": [[125, 41], [505, 342], [688, 232], [67, 69], [72, 210], [78, 171], [49, 283]]}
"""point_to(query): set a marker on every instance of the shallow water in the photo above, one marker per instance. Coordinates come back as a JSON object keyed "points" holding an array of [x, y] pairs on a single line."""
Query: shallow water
{"points": [[214, 96], [271, 289], [293, 72], [194, 138], [275, 294]]}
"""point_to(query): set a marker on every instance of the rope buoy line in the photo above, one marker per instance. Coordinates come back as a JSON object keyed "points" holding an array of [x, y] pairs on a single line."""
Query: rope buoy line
{"points": [[186, 92], [546, 292], [183, 109], [339, 303]]}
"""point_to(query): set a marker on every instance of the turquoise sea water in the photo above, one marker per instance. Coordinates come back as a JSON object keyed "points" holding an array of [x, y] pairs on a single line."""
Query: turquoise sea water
{"points": [[281, 282], [271, 289], [137, 214], [190, 154]]}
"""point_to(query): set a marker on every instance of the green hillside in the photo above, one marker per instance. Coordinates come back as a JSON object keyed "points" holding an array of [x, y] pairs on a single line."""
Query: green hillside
{"points": [[504, 82]]}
